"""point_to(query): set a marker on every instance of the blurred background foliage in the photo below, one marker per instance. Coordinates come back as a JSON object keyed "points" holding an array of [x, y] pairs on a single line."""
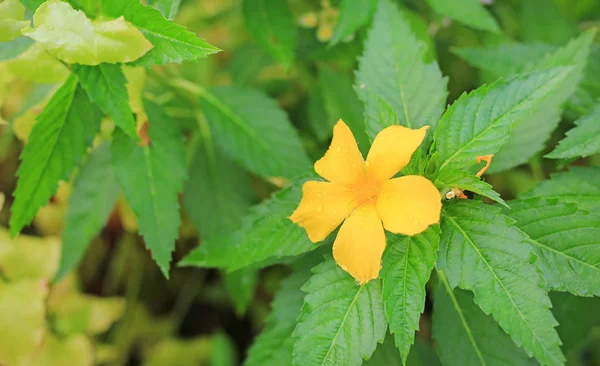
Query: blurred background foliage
{"points": [[117, 308]]}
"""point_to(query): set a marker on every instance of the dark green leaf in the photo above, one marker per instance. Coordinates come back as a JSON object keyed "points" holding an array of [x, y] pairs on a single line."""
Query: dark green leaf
{"points": [[240, 286], [583, 140], [540, 16], [576, 317]]}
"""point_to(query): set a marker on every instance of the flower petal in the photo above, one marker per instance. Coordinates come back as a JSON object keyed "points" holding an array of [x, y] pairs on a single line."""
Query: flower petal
{"points": [[409, 204], [392, 150], [360, 243], [323, 207], [342, 163]]}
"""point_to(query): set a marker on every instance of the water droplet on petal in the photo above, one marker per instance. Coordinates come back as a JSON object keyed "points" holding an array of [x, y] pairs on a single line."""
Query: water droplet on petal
{"points": [[344, 267], [338, 149], [320, 208]]}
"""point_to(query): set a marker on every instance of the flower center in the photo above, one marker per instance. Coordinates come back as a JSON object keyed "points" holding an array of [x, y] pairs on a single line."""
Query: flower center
{"points": [[368, 191]]}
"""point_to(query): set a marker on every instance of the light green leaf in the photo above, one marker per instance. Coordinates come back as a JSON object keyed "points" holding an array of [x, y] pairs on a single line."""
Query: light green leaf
{"points": [[12, 14], [56, 145], [12, 49], [468, 12], [479, 123], [275, 344], [223, 351], [240, 286], [265, 233], [581, 141], [270, 22], [538, 16], [105, 85], [392, 69], [580, 185], [94, 195], [74, 350], [481, 250], [218, 192], [467, 181], [28, 257], [172, 42], [253, 131], [465, 335], [168, 8], [576, 317], [529, 135], [341, 322], [35, 64], [565, 240], [353, 16], [151, 177], [407, 265], [587, 94], [318, 120], [90, 43]]}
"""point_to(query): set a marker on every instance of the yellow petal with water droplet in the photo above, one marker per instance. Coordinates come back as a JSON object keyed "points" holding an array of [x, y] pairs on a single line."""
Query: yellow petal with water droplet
{"points": [[342, 163], [323, 207], [392, 150], [360, 243], [409, 204]]}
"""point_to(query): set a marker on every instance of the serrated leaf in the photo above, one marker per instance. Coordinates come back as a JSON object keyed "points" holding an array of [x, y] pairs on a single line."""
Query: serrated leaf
{"points": [[481, 250], [471, 13], [240, 286], [479, 123], [35, 64], [341, 322], [151, 177], [565, 240], [468, 181], [92, 199], [218, 192], [272, 25], [392, 69], [168, 8], [106, 85], [353, 16], [58, 142], [90, 43], [407, 265], [265, 233], [12, 14], [275, 344], [580, 185], [465, 335], [581, 141], [172, 42], [253, 131], [576, 316]]}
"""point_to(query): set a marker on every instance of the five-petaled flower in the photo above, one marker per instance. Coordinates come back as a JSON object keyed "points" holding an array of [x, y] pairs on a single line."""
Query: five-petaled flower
{"points": [[366, 197]]}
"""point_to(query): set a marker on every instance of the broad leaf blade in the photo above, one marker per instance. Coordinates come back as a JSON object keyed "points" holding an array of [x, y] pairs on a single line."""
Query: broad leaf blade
{"points": [[481, 250], [576, 316], [94, 195], [465, 335], [341, 322], [240, 286], [151, 177], [172, 42], [106, 86], [565, 240], [581, 141], [254, 131], [56, 145], [353, 16], [407, 265], [468, 12], [272, 25], [467, 181]]}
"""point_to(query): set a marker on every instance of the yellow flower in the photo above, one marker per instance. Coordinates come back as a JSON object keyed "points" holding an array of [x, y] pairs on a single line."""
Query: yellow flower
{"points": [[366, 198]]}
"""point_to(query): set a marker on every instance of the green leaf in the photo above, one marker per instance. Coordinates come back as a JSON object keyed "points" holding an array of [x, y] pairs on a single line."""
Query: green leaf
{"points": [[106, 85], [392, 69], [479, 123], [172, 42], [247, 62], [168, 8], [529, 135], [12, 14], [35, 64], [468, 12], [587, 94], [58, 142], [253, 131], [539, 16], [407, 265], [28, 257], [481, 250], [465, 335], [581, 141], [240, 286], [218, 192], [576, 317], [467, 181], [353, 16], [580, 185], [275, 344], [151, 177], [341, 322], [90, 43], [265, 233], [223, 352], [270, 22], [387, 354], [565, 240], [94, 195], [73, 350]]}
